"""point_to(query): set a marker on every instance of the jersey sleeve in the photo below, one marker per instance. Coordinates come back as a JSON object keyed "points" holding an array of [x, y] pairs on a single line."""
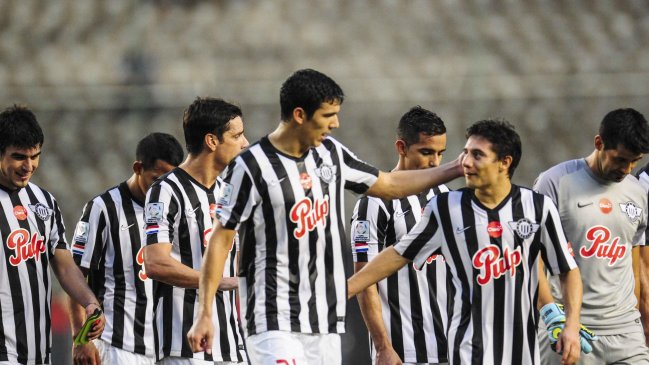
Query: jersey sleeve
{"points": [[89, 236], [161, 214], [369, 225], [238, 196], [548, 186], [358, 175], [57, 233], [558, 256], [424, 239]]}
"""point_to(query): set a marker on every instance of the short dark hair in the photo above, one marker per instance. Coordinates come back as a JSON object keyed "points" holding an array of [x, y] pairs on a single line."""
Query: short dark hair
{"points": [[207, 115], [307, 89], [503, 137], [419, 120], [626, 127], [19, 128], [159, 146]]}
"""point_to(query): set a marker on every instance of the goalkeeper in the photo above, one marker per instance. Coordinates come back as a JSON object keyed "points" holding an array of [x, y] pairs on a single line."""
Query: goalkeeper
{"points": [[603, 211]]}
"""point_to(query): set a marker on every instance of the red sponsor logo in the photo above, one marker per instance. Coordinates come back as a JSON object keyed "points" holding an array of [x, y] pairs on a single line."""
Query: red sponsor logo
{"points": [[305, 181], [494, 229], [429, 261], [493, 265], [307, 215], [602, 246], [213, 211], [20, 212], [25, 247], [605, 205], [140, 261]]}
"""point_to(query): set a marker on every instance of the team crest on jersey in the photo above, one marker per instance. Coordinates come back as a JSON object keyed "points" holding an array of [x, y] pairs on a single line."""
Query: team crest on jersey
{"points": [[524, 227], [361, 231], [631, 210], [326, 173], [41, 210], [226, 194], [81, 232], [153, 212]]}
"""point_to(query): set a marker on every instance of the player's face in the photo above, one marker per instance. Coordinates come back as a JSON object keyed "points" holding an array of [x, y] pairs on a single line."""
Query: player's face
{"points": [[321, 123], [482, 168], [149, 176], [425, 153], [17, 165], [232, 143], [615, 164]]}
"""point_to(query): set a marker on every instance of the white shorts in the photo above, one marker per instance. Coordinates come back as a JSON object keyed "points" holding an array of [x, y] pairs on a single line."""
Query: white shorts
{"points": [[113, 355], [186, 361], [292, 348]]}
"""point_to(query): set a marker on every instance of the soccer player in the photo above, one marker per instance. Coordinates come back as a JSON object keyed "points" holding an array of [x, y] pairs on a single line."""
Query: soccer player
{"points": [[108, 249], [33, 240], [285, 197], [407, 317], [178, 216], [491, 234], [603, 210]]}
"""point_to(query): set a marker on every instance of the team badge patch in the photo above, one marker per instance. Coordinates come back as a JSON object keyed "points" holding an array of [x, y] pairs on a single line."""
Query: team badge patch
{"points": [[326, 173], [226, 194], [524, 227], [631, 210], [361, 232], [81, 232], [41, 210], [153, 212]]}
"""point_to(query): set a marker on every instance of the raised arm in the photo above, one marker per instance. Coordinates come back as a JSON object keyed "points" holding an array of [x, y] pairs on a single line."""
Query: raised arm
{"points": [[385, 264]]}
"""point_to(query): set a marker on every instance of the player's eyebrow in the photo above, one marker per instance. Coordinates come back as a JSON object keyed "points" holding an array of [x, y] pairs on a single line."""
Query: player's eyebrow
{"points": [[17, 155]]}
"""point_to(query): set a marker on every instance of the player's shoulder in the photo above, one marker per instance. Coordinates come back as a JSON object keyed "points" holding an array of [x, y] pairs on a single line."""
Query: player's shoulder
{"points": [[42, 195], [563, 168]]}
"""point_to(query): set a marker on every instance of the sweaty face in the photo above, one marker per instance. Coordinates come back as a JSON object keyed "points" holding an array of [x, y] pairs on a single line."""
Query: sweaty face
{"points": [[615, 164], [149, 176], [321, 123], [17, 165], [481, 165], [425, 153], [232, 142]]}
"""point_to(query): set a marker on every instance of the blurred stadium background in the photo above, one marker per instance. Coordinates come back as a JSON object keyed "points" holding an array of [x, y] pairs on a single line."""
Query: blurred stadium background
{"points": [[102, 74]]}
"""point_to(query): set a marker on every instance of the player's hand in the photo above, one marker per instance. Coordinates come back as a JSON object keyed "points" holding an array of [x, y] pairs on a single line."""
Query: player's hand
{"points": [[85, 354], [568, 345], [459, 164], [387, 356], [98, 326], [201, 334]]}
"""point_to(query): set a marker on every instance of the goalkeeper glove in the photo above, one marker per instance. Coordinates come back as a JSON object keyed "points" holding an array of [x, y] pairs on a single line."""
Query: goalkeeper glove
{"points": [[555, 319]]}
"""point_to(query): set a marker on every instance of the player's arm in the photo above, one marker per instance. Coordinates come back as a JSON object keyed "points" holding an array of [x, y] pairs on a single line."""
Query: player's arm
{"points": [[545, 294], [202, 332], [87, 353], [385, 264], [643, 273], [74, 283], [370, 305], [572, 291], [397, 184]]}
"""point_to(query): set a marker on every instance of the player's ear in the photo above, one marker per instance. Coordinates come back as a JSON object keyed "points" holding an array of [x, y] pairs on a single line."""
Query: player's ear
{"points": [[599, 143], [505, 163], [401, 147], [211, 141], [138, 167], [299, 115]]}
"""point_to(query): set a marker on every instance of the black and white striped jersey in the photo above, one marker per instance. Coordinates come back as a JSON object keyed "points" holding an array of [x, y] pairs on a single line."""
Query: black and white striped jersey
{"points": [[492, 255], [415, 303], [179, 210], [108, 242], [32, 229], [290, 216]]}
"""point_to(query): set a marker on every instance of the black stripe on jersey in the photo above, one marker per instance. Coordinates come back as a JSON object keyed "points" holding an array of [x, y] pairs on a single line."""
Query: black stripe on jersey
{"points": [[535, 248], [438, 325], [271, 245], [476, 300], [119, 299], [97, 276], [517, 337], [499, 290], [3, 346], [353, 163], [15, 287], [330, 282], [550, 225], [140, 293], [444, 215], [361, 215]]}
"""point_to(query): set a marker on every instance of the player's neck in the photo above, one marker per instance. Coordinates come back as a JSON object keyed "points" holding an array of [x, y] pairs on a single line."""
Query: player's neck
{"points": [[134, 188], [594, 164], [287, 139], [493, 195], [201, 168]]}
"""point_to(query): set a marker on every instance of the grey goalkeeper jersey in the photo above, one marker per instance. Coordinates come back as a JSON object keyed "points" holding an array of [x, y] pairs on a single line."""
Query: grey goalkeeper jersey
{"points": [[603, 220]]}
